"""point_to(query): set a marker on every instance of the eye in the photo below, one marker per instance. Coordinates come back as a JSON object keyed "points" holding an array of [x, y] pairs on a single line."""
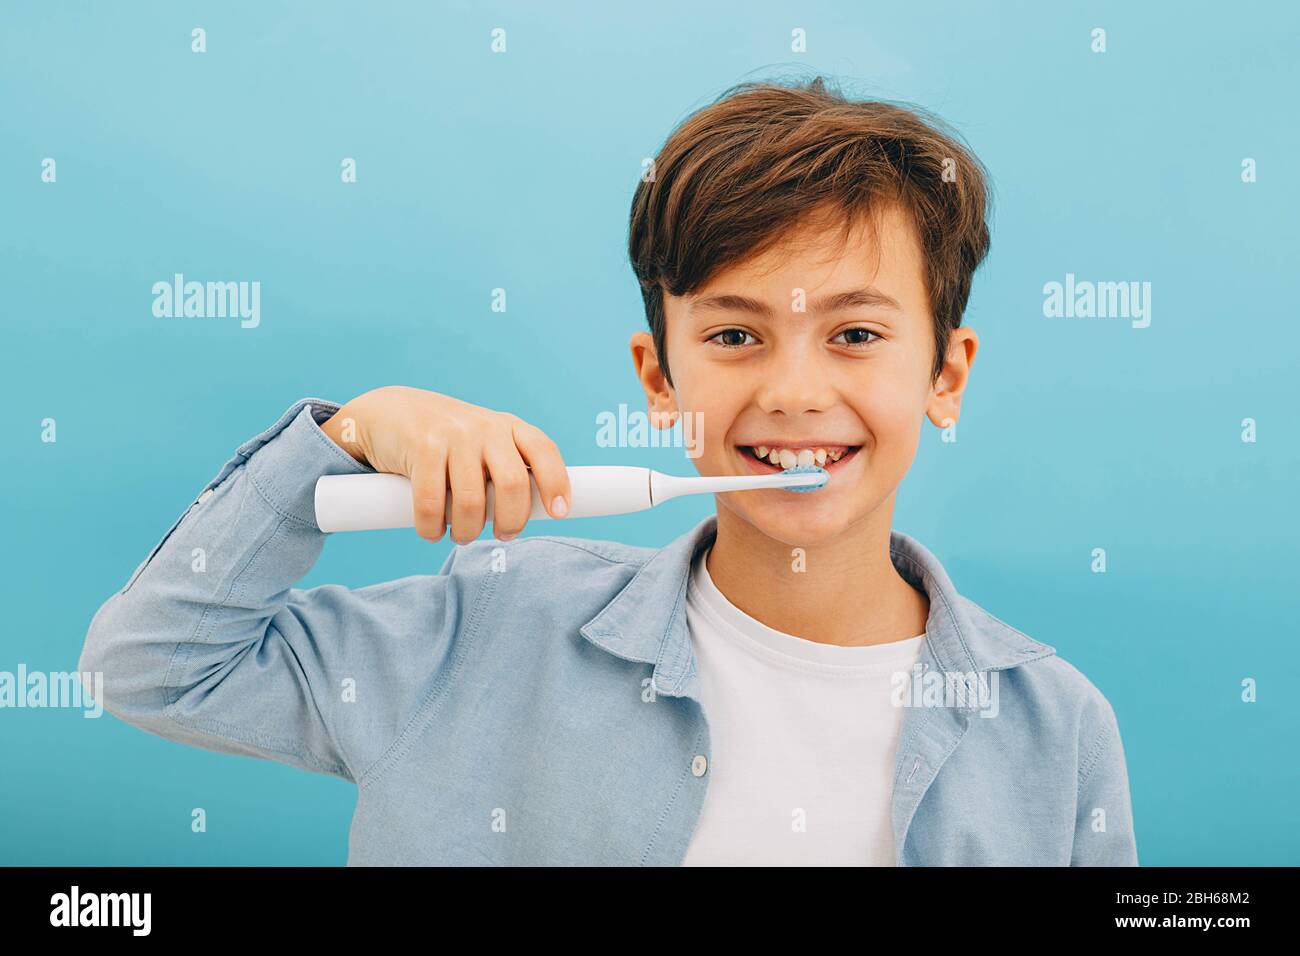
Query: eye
{"points": [[732, 332], [861, 339], [856, 337]]}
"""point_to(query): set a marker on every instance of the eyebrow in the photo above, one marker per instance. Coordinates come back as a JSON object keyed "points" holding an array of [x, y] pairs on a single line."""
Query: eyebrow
{"points": [[728, 302]]}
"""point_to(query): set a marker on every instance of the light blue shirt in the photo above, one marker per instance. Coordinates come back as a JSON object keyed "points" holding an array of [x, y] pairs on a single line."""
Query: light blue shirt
{"points": [[537, 701]]}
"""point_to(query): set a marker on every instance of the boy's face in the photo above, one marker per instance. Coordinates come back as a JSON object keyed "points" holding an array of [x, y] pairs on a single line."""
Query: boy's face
{"points": [[762, 357]]}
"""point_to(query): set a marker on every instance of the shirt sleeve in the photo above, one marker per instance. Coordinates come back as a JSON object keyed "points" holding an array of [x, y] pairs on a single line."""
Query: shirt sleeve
{"points": [[209, 644], [1103, 833]]}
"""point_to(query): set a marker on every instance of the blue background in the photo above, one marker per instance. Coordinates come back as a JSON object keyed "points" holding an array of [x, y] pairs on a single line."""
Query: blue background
{"points": [[478, 170]]}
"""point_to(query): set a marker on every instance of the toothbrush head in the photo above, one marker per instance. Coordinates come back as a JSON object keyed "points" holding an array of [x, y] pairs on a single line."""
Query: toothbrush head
{"points": [[808, 470]]}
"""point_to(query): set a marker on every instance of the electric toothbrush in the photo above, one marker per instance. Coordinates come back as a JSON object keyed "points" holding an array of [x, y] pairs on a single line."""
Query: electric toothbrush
{"points": [[378, 501]]}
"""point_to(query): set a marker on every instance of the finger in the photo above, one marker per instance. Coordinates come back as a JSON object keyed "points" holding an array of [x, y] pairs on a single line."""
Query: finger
{"points": [[543, 456], [429, 493], [512, 491], [468, 491]]}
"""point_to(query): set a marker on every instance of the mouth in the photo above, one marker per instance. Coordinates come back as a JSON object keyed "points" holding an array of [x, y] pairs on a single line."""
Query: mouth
{"points": [[763, 466]]}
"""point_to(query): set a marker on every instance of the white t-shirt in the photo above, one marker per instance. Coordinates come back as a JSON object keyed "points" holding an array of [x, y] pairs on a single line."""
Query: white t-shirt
{"points": [[803, 738]]}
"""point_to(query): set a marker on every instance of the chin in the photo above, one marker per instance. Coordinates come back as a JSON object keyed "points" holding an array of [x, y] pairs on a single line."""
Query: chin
{"points": [[796, 523]]}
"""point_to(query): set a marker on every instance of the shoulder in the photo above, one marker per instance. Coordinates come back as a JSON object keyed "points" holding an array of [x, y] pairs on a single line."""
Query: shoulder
{"points": [[1052, 690]]}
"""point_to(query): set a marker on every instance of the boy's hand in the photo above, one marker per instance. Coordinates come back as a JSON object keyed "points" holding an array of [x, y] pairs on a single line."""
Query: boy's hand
{"points": [[438, 441]]}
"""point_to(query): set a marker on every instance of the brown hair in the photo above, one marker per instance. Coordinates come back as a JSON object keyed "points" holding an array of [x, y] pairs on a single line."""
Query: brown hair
{"points": [[763, 157]]}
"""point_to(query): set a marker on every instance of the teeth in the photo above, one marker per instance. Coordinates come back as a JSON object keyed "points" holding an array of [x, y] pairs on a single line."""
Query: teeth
{"points": [[790, 457]]}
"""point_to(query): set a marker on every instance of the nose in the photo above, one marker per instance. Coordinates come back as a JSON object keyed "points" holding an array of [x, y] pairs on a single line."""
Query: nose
{"points": [[795, 382]]}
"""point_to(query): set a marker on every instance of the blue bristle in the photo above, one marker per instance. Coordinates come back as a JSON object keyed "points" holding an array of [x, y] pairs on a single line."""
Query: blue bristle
{"points": [[804, 470]]}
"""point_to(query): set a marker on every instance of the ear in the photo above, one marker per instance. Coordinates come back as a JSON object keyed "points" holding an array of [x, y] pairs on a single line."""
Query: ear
{"points": [[944, 407], [661, 398]]}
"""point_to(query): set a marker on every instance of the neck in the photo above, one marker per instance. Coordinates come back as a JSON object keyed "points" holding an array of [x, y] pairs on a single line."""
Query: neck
{"points": [[849, 592]]}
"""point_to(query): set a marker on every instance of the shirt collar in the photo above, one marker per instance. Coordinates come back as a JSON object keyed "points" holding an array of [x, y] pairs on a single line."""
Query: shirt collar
{"points": [[646, 621]]}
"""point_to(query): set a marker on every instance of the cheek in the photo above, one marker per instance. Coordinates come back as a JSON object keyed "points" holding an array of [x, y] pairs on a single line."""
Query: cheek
{"points": [[890, 411], [704, 424], [709, 416]]}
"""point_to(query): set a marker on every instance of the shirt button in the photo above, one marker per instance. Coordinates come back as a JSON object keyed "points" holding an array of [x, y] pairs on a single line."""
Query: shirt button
{"points": [[205, 496], [699, 765]]}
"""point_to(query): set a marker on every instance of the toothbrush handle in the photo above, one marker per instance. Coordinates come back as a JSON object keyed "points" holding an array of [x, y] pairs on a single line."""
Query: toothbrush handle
{"points": [[378, 501]]}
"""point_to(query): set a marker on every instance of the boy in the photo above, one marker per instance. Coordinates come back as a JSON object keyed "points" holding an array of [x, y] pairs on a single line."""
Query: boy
{"points": [[790, 682]]}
